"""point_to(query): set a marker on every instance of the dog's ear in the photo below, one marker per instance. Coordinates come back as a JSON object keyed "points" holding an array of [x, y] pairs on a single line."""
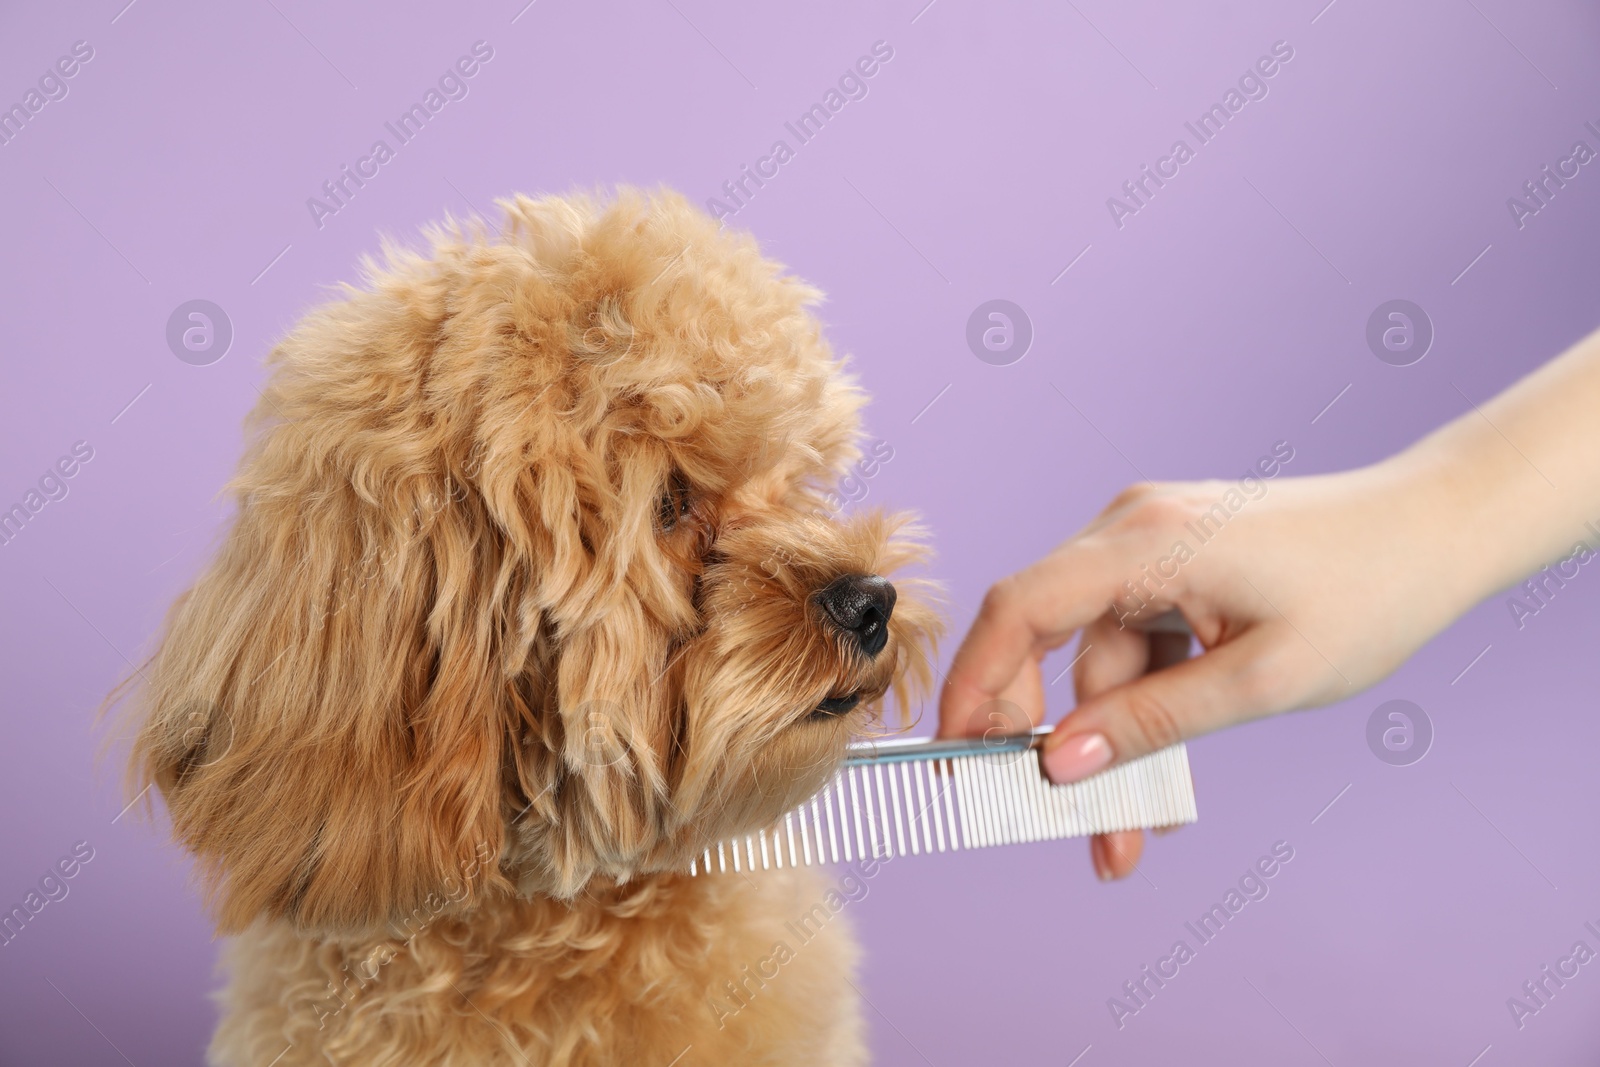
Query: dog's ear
{"points": [[329, 710]]}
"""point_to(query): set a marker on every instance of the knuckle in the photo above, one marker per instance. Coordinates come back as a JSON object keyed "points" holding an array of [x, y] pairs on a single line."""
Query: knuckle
{"points": [[1132, 495], [1001, 599], [1165, 511], [1257, 683], [1154, 722]]}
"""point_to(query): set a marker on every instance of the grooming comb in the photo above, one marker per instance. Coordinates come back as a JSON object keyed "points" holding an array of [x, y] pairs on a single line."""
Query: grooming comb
{"points": [[909, 796]]}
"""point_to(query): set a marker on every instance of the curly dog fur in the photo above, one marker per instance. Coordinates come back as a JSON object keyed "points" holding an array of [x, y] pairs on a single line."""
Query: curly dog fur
{"points": [[519, 612]]}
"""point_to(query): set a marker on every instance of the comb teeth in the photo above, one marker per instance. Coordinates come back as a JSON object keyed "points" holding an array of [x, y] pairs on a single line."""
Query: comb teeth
{"points": [[910, 797]]}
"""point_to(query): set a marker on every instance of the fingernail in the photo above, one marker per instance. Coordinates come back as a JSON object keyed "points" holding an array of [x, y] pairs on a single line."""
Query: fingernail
{"points": [[1077, 757], [1097, 856]]}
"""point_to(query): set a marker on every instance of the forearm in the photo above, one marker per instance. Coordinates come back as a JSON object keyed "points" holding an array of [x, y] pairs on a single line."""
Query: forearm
{"points": [[1511, 484]]}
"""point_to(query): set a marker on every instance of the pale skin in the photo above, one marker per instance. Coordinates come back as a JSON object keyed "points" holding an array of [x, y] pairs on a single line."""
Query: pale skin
{"points": [[1308, 594]]}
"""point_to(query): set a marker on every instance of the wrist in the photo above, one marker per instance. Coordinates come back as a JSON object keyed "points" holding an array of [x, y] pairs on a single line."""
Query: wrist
{"points": [[1479, 509]]}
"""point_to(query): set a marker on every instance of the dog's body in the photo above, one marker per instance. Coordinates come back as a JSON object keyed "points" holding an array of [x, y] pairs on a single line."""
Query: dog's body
{"points": [[532, 594], [671, 968]]}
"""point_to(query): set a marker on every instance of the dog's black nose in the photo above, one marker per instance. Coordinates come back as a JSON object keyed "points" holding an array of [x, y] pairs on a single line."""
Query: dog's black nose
{"points": [[860, 605]]}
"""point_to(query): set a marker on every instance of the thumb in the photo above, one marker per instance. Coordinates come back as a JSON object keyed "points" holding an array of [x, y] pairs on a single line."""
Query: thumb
{"points": [[1218, 688]]}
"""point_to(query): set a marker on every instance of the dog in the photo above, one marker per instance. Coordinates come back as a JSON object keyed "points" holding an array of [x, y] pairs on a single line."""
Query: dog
{"points": [[533, 591]]}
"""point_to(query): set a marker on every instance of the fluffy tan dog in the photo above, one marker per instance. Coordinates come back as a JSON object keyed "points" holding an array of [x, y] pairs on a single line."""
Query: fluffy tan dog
{"points": [[532, 593]]}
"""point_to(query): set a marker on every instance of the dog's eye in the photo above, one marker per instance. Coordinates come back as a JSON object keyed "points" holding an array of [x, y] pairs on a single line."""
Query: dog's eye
{"points": [[674, 505]]}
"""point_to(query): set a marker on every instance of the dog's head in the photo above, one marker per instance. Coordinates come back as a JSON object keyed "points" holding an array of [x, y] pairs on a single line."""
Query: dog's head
{"points": [[536, 579]]}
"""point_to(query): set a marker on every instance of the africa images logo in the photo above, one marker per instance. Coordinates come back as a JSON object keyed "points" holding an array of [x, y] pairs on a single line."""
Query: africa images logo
{"points": [[452, 85], [52, 86], [852, 85], [1252, 86], [1252, 886]]}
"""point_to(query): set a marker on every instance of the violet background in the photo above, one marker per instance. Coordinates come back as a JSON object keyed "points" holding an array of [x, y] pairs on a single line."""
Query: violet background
{"points": [[1222, 318]]}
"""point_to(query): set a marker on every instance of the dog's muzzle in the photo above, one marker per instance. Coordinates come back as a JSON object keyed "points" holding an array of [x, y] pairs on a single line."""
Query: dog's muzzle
{"points": [[860, 606]]}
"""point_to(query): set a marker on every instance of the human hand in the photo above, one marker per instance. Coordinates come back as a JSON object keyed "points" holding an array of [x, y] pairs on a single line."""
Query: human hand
{"points": [[1307, 591]]}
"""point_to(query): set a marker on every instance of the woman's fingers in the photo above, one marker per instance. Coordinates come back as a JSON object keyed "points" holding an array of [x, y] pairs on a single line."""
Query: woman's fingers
{"points": [[1022, 702], [1026, 615], [1017, 707], [1229, 684], [1109, 655], [1116, 855]]}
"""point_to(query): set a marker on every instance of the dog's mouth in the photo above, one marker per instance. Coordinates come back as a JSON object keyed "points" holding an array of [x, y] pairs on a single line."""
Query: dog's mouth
{"points": [[833, 707]]}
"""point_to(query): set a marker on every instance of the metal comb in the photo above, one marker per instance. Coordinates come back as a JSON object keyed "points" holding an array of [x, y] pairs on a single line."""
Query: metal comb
{"points": [[909, 796]]}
